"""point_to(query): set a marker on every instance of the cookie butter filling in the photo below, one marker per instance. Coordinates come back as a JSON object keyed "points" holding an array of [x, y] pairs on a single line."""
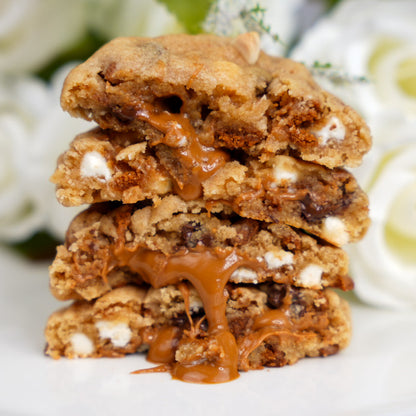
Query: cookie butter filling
{"points": [[208, 270], [200, 161], [222, 352]]}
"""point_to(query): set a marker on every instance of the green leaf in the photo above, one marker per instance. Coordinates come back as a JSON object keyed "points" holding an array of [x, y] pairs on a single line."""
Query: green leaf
{"points": [[332, 3], [79, 52], [190, 13], [40, 246]]}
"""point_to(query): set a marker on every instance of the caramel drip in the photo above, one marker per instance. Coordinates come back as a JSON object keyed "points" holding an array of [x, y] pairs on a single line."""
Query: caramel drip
{"points": [[272, 322], [184, 289], [276, 318], [224, 369], [281, 195], [163, 346], [278, 322], [208, 270], [252, 341], [201, 161], [163, 368]]}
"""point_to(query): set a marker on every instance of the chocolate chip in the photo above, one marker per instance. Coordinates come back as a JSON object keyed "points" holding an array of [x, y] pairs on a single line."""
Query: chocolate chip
{"points": [[193, 233], [298, 305], [314, 209], [327, 199], [181, 320], [275, 295], [246, 229], [207, 240], [124, 115], [188, 231]]}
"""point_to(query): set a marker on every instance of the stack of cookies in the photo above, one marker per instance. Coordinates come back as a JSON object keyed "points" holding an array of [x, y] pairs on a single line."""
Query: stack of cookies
{"points": [[219, 203]]}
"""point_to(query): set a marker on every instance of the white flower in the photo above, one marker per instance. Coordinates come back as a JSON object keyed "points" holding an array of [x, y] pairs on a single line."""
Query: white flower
{"points": [[383, 264], [33, 132], [377, 39], [32, 32], [112, 18], [16, 211], [371, 38], [225, 18]]}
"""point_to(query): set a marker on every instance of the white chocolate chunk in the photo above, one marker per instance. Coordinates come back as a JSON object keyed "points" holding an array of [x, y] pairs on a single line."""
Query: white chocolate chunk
{"points": [[335, 232], [244, 275], [333, 130], [276, 259], [281, 175], [311, 276], [81, 344], [94, 165], [284, 170], [119, 333]]}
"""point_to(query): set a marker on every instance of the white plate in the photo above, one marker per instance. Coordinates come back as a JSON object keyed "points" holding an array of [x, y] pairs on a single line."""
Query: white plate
{"points": [[374, 376]]}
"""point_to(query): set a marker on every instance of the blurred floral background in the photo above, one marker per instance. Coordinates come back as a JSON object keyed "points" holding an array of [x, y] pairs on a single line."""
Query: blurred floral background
{"points": [[362, 50]]}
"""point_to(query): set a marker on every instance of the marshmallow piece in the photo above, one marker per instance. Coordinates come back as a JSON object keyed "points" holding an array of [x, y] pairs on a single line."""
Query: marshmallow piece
{"points": [[334, 231], [81, 344], [276, 259], [94, 165], [333, 130], [311, 276], [118, 333]]}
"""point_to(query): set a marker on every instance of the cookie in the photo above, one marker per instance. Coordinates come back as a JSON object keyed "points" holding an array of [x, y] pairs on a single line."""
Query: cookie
{"points": [[109, 247], [104, 165], [201, 94], [267, 325], [220, 201]]}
